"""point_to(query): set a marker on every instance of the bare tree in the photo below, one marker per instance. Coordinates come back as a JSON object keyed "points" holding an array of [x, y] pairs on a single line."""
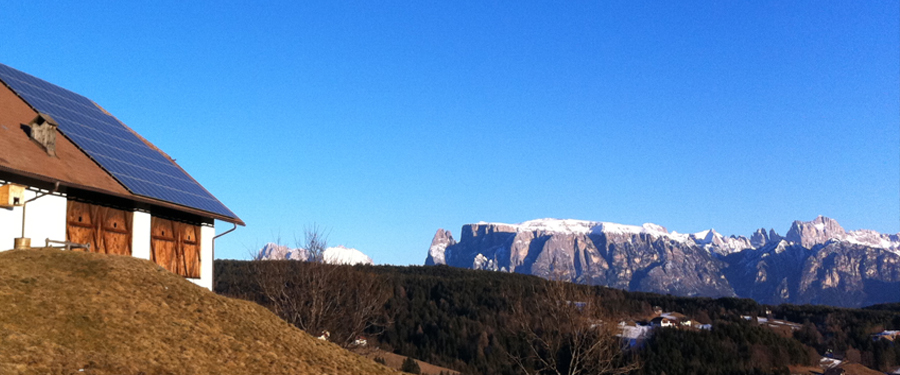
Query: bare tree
{"points": [[567, 331], [314, 296], [315, 242], [363, 306]]}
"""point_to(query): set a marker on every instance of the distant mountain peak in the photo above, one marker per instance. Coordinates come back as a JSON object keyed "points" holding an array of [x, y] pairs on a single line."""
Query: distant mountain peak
{"points": [[345, 255], [273, 251], [822, 229], [332, 255], [817, 231], [706, 237], [442, 239]]}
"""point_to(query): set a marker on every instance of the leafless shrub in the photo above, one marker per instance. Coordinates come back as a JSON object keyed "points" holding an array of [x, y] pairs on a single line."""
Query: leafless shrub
{"points": [[315, 242], [567, 331], [344, 300]]}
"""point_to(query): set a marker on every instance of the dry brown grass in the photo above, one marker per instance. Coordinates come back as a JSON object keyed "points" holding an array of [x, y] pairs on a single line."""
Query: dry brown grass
{"points": [[858, 369], [80, 313], [395, 361]]}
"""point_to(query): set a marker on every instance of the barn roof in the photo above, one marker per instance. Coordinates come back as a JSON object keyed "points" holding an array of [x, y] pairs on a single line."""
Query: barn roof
{"points": [[97, 152]]}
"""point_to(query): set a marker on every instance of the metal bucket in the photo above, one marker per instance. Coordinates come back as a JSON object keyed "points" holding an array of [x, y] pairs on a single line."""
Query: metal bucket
{"points": [[22, 243]]}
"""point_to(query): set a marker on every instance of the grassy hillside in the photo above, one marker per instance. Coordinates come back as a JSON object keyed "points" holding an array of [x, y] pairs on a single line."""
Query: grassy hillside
{"points": [[64, 312]]}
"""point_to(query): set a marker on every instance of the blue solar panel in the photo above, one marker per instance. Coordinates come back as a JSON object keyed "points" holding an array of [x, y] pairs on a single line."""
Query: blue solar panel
{"points": [[141, 169]]}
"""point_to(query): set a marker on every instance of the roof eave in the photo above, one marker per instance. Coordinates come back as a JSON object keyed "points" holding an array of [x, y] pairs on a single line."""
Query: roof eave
{"points": [[133, 197]]}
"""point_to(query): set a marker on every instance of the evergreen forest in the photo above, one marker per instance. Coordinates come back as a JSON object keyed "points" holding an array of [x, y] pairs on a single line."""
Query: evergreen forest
{"points": [[484, 322]]}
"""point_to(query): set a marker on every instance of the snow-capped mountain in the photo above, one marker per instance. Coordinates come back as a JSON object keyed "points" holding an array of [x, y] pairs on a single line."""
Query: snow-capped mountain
{"points": [[712, 241], [823, 229], [331, 255], [272, 251], [345, 255], [648, 257]]}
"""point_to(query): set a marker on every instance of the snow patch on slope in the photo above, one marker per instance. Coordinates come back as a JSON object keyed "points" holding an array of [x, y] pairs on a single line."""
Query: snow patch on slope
{"points": [[437, 253], [872, 238], [705, 236]]}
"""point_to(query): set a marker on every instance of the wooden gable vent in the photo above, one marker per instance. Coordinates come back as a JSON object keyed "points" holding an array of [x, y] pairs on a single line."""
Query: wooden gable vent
{"points": [[12, 195], [43, 131]]}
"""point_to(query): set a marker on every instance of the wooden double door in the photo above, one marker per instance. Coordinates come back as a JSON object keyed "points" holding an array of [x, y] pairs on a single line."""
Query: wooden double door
{"points": [[174, 245], [106, 229]]}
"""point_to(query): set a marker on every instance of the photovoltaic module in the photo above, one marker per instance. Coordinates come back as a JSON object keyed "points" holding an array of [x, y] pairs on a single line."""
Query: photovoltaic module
{"points": [[141, 169]]}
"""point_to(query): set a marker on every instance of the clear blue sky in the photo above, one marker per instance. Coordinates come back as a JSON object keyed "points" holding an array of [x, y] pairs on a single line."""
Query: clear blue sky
{"points": [[384, 122]]}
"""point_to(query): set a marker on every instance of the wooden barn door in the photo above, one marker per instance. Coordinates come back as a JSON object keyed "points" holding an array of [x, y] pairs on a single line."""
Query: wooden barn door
{"points": [[190, 245], [175, 246], [162, 243], [80, 227], [106, 229], [116, 230]]}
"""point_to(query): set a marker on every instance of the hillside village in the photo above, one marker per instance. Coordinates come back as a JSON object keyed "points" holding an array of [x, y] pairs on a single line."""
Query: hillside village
{"points": [[638, 330]]}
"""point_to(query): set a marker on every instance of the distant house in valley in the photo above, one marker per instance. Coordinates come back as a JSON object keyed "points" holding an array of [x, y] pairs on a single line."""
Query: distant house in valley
{"points": [[72, 174], [671, 319], [676, 320], [781, 327], [661, 321], [890, 335]]}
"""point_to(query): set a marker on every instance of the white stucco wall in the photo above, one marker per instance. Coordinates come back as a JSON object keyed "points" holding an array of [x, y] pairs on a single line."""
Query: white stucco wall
{"points": [[10, 226], [45, 218], [140, 235], [207, 232]]}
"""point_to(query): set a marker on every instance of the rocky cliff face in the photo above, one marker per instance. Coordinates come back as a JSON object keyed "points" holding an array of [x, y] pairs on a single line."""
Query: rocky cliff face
{"points": [[811, 233], [842, 273], [645, 258], [817, 262], [442, 240], [769, 274]]}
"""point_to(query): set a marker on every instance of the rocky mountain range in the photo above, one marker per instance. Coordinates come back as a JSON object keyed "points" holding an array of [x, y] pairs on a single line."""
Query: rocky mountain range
{"points": [[816, 262], [331, 255]]}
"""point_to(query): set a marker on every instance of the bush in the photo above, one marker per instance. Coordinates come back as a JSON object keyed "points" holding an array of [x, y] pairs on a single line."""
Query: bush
{"points": [[411, 366]]}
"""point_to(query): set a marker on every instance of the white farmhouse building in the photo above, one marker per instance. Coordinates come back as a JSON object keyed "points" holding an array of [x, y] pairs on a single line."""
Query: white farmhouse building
{"points": [[72, 174]]}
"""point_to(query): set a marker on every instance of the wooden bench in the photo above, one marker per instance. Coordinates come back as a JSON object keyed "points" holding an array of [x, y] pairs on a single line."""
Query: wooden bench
{"points": [[69, 245]]}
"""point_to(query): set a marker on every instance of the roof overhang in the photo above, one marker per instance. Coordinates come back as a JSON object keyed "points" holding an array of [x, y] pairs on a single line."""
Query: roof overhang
{"points": [[130, 197]]}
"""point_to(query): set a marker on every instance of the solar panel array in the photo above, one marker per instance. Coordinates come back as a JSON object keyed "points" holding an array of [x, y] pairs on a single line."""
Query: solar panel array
{"points": [[141, 169]]}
